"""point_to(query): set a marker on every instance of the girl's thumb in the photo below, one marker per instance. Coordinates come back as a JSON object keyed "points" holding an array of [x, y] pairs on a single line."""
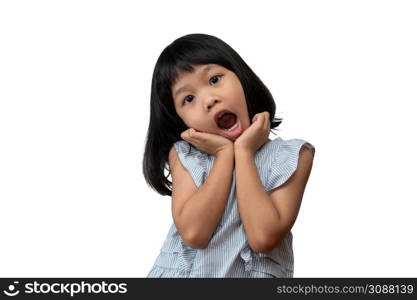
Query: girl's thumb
{"points": [[192, 132]]}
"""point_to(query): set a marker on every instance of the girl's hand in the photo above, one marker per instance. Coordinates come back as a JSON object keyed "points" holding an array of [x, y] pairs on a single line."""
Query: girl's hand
{"points": [[256, 135], [207, 142]]}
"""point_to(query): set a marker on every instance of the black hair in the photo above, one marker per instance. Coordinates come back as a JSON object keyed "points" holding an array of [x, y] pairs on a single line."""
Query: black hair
{"points": [[165, 126]]}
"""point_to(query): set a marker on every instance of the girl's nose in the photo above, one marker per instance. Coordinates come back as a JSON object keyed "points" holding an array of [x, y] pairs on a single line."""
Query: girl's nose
{"points": [[210, 103]]}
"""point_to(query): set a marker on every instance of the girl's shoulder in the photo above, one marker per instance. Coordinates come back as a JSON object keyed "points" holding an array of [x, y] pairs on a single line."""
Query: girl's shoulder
{"points": [[195, 161], [281, 146], [280, 158], [185, 149]]}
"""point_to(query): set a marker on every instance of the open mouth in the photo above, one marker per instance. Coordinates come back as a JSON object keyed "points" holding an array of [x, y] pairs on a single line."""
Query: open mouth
{"points": [[227, 121]]}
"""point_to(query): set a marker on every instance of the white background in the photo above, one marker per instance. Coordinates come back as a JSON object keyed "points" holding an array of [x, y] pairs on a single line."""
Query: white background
{"points": [[75, 80]]}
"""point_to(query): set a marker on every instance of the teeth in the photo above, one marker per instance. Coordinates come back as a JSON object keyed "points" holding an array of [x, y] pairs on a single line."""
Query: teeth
{"points": [[221, 115]]}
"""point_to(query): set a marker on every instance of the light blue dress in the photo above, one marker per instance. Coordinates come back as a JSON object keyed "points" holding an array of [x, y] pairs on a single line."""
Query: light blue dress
{"points": [[228, 253]]}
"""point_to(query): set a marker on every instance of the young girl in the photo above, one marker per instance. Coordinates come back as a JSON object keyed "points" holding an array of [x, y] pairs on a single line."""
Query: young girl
{"points": [[235, 193]]}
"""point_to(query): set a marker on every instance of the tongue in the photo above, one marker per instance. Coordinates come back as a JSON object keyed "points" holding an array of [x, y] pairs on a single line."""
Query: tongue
{"points": [[227, 121]]}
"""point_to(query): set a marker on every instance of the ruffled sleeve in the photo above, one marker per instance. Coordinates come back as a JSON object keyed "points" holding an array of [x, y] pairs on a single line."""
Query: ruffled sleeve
{"points": [[285, 154], [193, 160]]}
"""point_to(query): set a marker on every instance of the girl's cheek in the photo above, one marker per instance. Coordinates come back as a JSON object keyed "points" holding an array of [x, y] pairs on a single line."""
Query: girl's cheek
{"points": [[196, 123]]}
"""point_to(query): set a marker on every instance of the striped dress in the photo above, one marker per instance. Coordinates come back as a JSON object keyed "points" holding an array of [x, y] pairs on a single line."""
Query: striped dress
{"points": [[228, 253]]}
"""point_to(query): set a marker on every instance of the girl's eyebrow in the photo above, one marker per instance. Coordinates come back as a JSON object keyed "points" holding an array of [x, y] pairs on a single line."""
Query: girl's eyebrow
{"points": [[205, 70]]}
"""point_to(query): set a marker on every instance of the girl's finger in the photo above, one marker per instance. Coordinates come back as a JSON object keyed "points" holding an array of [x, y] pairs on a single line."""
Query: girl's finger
{"points": [[194, 134], [197, 136], [184, 135], [255, 118], [266, 120], [188, 134]]}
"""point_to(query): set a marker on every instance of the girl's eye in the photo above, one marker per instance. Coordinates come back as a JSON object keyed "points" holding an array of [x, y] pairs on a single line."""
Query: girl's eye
{"points": [[185, 99], [216, 76]]}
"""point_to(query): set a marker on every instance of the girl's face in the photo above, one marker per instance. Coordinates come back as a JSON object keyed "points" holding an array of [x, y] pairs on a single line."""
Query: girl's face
{"points": [[201, 95]]}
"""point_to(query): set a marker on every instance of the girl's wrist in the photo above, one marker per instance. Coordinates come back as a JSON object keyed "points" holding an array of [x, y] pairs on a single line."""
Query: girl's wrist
{"points": [[243, 151], [226, 150]]}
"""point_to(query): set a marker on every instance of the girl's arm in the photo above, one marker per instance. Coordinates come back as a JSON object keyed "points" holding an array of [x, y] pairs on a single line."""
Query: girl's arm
{"points": [[267, 218], [196, 212]]}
